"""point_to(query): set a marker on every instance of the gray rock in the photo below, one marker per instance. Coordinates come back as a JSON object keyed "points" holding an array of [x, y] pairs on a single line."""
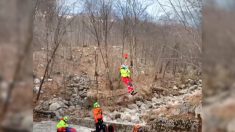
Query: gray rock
{"points": [[154, 99], [135, 119], [183, 91], [126, 117], [133, 106], [143, 106], [176, 111], [36, 89], [193, 87], [36, 81], [118, 115], [54, 106], [139, 103]]}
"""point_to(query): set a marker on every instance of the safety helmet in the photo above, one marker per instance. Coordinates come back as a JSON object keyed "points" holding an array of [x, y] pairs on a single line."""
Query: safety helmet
{"points": [[96, 105], [66, 118], [125, 56]]}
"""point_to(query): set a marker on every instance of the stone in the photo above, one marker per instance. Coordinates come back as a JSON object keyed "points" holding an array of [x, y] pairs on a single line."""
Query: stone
{"points": [[36, 90], [183, 91], [154, 99], [175, 88], [176, 111], [135, 119], [54, 106], [143, 107], [139, 103], [36, 81], [117, 116], [182, 86], [126, 117], [198, 110], [133, 106], [193, 87]]}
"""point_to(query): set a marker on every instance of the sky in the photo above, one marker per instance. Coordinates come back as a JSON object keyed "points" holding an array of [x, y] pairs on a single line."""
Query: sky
{"points": [[154, 9]]}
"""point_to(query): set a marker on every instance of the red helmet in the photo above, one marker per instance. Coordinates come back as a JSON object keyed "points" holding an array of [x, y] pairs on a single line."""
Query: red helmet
{"points": [[125, 56]]}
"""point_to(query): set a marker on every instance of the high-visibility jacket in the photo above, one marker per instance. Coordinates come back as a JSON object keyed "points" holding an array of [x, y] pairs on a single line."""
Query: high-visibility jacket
{"points": [[125, 72], [97, 112], [62, 124]]}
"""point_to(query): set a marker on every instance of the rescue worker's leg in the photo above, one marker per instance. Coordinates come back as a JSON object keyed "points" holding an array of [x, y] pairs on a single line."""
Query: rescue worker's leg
{"points": [[99, 126], [130, 87], [61, 130], [103, 127], [125, 80]]}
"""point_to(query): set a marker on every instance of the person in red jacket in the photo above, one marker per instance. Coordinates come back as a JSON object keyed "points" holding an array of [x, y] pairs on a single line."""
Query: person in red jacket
{"points": [[98, 117]]}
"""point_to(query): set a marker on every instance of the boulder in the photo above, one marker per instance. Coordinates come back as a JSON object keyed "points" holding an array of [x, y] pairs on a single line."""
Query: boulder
{"points": [[118, 115], [133, 106], [36, 81], [54, 106]]}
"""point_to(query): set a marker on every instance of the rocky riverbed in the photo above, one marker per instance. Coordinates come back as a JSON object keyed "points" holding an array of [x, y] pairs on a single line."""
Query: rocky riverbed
{"points": [[179, 109]]}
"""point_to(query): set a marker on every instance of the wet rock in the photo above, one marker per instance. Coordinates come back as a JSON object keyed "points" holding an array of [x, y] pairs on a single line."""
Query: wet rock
{"points": [[139, 103]]}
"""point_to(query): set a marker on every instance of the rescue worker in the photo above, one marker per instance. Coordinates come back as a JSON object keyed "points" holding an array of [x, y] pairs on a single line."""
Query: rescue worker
{"points": [[126, 78], [98, 116], [63, 126]]}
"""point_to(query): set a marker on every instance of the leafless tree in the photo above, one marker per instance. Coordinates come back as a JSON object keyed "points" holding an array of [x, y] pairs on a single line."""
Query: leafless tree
{"points": [[59, 32]]}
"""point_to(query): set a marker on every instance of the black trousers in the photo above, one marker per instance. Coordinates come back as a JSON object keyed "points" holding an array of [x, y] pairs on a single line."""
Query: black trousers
{"points": [[100, 126]]}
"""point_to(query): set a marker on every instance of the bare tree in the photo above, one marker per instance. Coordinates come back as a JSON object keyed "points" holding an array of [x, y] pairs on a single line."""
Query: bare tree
{"points": [[100, 24], [59, 32]]}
